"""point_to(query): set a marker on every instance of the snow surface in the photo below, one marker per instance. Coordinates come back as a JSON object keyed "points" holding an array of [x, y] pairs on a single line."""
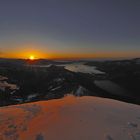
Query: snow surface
{"points": [[71, 118]]}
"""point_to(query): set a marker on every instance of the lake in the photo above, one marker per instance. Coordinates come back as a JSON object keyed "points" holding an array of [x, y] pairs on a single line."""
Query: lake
{"points": [[81, 67]]}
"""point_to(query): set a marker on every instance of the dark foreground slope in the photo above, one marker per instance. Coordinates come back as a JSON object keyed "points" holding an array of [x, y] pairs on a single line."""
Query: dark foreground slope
{"points": [[43, 83], [125, 73], [24, 81]]}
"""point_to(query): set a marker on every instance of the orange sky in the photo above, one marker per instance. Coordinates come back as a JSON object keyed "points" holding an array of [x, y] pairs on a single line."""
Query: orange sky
{"points": [[26, 53]]}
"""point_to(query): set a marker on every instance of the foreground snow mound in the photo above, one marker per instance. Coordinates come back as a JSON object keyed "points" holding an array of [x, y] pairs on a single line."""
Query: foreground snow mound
{"points": [[71, 118]]}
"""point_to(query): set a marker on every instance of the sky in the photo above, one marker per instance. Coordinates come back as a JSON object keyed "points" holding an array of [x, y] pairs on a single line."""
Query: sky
{"points": [[69, 28]]}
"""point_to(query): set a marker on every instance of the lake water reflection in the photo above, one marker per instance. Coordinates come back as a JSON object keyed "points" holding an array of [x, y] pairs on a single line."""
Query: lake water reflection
{"points": [[80, 67]]}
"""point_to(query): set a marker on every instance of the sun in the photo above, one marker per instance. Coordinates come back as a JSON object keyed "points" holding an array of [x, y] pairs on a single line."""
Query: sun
{"points": [[32, 57]]}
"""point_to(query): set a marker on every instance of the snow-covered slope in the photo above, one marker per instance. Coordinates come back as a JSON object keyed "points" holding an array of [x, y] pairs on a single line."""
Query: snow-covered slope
{"points": [[71, 118]]}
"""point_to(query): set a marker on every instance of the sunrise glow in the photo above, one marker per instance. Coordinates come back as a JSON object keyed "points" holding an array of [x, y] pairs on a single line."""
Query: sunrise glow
{"points": [[32, 57]]}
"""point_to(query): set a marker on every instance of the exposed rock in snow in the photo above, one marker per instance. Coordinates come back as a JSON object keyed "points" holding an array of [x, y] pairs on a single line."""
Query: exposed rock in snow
{"points": [[81, 91], [3, 78], [4, 85], [132, 125], [30, 97], [55, 88], [59, 80], [108, 137]]}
